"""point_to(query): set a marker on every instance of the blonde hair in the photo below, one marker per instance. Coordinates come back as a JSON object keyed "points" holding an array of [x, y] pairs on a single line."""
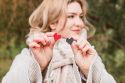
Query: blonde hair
{"points": [[49, 11]]}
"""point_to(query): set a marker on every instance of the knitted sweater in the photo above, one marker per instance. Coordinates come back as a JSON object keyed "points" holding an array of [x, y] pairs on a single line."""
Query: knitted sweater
{"points": [[25, 69]]}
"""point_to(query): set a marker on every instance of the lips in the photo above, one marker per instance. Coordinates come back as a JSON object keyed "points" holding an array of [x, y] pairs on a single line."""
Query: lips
{"points": [[76, 30]]}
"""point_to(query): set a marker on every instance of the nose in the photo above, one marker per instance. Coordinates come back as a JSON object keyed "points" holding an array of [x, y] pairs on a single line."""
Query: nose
{"points": [[79, 22]]}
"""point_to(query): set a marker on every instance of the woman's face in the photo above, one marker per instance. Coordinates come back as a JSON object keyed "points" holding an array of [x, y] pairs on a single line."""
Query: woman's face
{"points": [[71, 24]]}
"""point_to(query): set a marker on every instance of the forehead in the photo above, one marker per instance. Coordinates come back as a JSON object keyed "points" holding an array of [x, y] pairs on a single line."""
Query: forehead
{"points": [[74, 7]]}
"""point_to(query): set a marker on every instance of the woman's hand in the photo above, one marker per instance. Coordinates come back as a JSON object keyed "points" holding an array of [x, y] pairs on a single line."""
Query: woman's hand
{"points": [[84, 55], [41, 46]]}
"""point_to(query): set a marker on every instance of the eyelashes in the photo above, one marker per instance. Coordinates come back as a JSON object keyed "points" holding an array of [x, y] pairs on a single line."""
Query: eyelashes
{"points": [[73, 16], [81, 16], [70, 16]]}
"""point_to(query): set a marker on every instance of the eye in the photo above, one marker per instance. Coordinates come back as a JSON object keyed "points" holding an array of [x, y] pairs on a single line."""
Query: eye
{"points": [[81, 16], [70, 16]]}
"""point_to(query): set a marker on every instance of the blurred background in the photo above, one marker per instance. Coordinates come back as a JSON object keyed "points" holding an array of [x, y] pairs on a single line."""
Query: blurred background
{"points": [[108, 17]]}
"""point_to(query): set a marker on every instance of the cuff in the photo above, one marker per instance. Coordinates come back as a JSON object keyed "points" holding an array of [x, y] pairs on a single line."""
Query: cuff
{"points": [[31, 37], [98, 73]]}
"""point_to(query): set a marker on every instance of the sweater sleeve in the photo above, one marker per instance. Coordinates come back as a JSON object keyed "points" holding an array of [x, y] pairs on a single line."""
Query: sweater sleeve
{"points": [[18, 72], [98, 73], [34, 32], [23, 70]]}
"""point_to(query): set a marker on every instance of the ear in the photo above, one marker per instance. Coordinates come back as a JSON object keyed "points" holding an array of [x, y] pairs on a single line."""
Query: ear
{"points": [[53, 26]]}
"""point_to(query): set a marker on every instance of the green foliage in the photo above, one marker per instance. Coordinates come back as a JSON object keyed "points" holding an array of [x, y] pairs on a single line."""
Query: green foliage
{"points": [[4, 67], [14, 26], [108, 17]]}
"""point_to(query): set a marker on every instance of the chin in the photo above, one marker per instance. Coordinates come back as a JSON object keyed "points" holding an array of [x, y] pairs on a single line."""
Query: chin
{"points": [[75, 36]]}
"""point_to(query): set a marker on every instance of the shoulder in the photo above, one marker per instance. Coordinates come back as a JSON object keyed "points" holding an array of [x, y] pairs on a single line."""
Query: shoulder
{"points": [[27, 62], [23, 67], [23, 59]]}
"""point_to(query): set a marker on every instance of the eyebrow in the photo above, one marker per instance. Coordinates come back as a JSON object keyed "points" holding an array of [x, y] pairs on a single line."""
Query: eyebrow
{"points": [[75, 13]]}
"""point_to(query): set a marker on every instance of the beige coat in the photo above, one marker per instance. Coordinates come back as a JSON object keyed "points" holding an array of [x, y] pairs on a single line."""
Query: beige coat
{"points": [[62, 68]]}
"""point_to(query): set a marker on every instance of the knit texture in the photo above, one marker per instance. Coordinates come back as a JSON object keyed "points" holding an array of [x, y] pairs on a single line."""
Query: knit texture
{"points": [[25, 69], [62, 68]]}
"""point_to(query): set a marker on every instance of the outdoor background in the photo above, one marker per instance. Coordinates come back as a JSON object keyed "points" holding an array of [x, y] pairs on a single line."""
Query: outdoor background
{"points": [[108, 17]]}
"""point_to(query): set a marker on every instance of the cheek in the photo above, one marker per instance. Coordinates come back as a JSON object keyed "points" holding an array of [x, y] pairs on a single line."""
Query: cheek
{"points": [[66, 30], [69, 25]]}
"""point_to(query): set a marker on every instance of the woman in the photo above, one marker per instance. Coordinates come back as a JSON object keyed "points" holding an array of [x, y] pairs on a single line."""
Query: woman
{"points": [[58, 48]]}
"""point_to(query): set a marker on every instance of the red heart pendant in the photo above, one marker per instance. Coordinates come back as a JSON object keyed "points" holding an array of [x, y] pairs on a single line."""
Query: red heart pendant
{"points": [[56, 36]]}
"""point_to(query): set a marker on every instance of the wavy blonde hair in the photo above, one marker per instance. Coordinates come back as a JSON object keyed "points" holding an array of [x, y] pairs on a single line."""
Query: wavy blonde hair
{"points": [[49, 12]]}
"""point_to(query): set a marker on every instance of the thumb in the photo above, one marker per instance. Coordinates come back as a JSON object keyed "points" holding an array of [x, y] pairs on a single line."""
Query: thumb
{"points": [[75, 48], [50, 36]]}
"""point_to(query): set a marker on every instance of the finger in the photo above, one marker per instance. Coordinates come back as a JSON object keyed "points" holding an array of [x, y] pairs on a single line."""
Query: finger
{"points": [[32, 37], [92, 51], [34, 45], [55, 35], [82, 44], [50, 34], [88, 50], [84, 41], [40, 40], [74, 47], [47, 40], [85, 50]]}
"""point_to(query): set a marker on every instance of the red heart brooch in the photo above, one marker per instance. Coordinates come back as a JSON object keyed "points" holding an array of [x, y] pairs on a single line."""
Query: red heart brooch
{"points": [[56, 36]]}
